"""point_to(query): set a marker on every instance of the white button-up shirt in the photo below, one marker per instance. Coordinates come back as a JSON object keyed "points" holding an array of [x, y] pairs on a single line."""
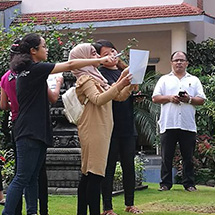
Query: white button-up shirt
{"points": [[178, 116]]}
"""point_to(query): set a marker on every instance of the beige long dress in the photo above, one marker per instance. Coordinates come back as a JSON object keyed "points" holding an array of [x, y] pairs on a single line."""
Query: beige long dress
{"points": [[96, 123]]}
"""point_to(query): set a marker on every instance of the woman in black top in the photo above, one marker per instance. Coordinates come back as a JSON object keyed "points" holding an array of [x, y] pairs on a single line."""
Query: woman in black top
{"points": [[33, 131]]}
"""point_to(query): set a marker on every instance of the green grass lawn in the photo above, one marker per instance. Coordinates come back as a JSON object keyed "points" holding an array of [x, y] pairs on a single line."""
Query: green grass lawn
{"points": [[176, 202]]}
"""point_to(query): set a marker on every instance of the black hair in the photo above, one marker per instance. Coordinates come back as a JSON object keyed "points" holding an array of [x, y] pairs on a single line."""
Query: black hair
{"points": [[103, 43], [23, 59], [172, 55]]}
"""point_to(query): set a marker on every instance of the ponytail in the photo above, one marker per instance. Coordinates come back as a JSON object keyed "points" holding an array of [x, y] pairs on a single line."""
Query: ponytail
{"points": [[20, 62]]}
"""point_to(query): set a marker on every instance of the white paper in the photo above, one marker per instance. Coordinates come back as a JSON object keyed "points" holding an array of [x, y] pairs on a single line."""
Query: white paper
{"points": [[52, 80], [138, 61]]}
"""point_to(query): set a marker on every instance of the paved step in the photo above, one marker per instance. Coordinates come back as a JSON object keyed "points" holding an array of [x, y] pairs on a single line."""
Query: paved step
{"points": [[153, 160], [153, 168]]}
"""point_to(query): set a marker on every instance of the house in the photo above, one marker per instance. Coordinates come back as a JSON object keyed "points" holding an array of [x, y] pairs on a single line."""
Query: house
{"points": [[7, 9], [161, 27]]}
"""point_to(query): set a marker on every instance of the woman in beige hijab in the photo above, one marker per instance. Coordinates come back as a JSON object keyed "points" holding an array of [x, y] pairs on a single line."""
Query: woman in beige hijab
{"points": [[95, 125]]}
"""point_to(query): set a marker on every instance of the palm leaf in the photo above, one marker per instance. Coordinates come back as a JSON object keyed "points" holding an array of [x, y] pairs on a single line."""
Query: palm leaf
{"points": [[146, 115], [146, 112]]}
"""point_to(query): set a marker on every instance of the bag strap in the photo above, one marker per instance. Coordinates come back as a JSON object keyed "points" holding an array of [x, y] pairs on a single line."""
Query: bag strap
{"points": [[85, 101]]}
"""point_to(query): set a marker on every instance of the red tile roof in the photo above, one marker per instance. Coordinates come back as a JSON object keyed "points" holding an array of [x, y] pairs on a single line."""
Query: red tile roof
{"points": [[7, 4], [115, 14]]}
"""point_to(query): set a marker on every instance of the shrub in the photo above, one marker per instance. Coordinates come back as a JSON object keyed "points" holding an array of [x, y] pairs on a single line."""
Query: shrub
{"points": [[7, 165], [201, 58], [139, 162], [204, 160]]}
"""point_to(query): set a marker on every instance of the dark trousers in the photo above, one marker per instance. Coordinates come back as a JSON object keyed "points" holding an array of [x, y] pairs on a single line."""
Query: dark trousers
{"points": [[30, 157], [1, 185], [43, 190], [122, 149], [42, 193], [89, 194], [42, 184], [186, 141]]}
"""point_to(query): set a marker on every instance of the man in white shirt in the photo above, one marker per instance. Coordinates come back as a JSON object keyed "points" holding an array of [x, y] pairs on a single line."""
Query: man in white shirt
{"points": [[178, 92]]}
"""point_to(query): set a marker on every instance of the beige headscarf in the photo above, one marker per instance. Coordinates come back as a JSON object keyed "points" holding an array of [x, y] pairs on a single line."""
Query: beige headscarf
{"points": [[83, 51]]}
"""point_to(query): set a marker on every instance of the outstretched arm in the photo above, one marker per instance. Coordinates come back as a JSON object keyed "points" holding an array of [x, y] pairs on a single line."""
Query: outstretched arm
{"points": [[79, 63]]}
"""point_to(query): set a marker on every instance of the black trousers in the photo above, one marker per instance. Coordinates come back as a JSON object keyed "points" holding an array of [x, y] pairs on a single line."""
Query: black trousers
{"points": [[187, 142], [121, 149], [89, 194], [1, 185]]}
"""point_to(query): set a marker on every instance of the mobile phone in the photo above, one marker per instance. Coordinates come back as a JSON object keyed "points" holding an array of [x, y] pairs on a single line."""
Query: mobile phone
{"points": [[181, 93]]}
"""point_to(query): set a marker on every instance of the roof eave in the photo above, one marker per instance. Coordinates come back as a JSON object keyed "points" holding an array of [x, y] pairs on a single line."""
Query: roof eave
{"points": [[132, 22]]}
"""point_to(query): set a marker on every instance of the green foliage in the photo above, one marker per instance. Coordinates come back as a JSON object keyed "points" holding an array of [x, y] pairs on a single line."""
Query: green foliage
{"points": [[204, 160], [139, 163], [8, 165], [7, 39], [59, 43], [146, 112], [125, 52], [202, 54], [202, 64], [5, 140]]}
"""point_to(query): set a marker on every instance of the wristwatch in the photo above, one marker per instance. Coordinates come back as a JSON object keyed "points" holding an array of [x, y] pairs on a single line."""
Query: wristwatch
{"points": [[190, 100]]}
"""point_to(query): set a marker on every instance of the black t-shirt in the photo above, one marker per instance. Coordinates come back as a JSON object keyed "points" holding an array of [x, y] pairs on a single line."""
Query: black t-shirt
{"points": [[122, 111], [34, 118]]}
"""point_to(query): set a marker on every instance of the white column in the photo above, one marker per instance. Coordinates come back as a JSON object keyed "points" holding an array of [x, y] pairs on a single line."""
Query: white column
{"points": [[179, 40]]}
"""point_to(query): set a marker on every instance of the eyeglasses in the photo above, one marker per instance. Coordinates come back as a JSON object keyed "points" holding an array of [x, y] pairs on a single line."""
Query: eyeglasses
{"points": [[179, 60]]}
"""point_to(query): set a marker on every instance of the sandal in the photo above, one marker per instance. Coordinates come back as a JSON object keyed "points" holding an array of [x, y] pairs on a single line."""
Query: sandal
{"points": [[2, 202], [109, 212], [163, 188], [133, 210], [191, 189]]}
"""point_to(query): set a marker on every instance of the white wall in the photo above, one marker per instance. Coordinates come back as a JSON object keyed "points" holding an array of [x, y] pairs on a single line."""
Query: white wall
{"points": [[192, 2], [209, 7], [158, 44], [197, 30], [209, 31], [31, 6], [201, 31]]}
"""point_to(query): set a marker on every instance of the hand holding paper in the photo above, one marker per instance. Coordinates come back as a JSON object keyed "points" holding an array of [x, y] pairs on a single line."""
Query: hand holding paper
{"points": [[138, 60], [123, 74], [52, 80]]}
